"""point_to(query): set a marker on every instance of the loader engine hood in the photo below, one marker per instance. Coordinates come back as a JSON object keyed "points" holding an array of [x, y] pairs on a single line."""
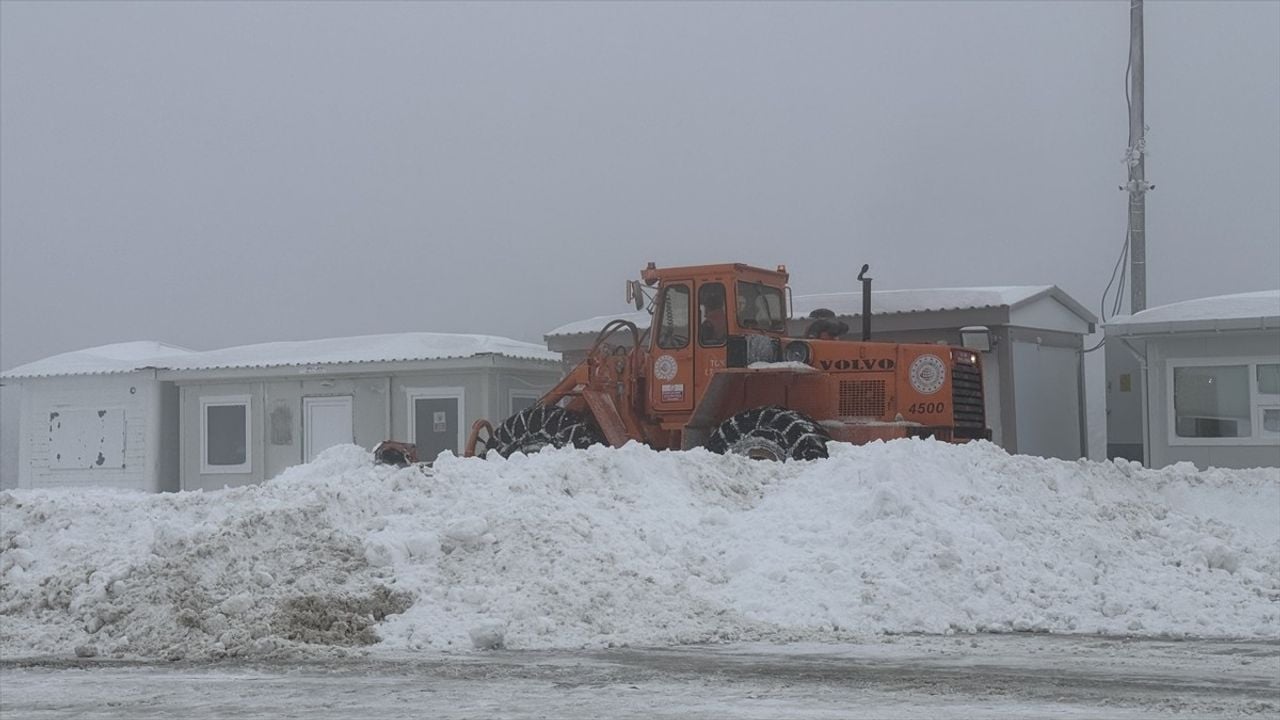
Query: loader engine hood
{"points": [[835, 356], [890, 382]]}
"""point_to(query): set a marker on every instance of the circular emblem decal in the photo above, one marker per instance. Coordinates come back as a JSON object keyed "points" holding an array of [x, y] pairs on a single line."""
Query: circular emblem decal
{"points": [[664, 368], [928, 373]]}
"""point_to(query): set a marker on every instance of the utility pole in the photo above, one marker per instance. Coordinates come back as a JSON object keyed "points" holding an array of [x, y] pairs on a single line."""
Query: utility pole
{"points": [[1136, 160]]}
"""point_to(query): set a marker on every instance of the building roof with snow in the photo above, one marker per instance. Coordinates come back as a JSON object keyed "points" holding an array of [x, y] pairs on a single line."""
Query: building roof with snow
{"points": [[593, 325], [396, 347], [895, 302], [890, 302], [1241, 311], [102, 360]]}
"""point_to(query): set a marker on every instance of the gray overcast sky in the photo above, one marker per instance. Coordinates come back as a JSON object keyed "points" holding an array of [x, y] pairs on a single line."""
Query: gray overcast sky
{"points": [[218, 174]]}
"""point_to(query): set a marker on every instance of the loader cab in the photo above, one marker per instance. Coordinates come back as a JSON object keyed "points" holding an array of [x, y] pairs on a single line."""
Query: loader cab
{"points": [[699, 314]]}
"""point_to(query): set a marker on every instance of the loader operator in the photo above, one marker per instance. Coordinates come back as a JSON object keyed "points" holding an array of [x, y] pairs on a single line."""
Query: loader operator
{"points": [[715, 326]]}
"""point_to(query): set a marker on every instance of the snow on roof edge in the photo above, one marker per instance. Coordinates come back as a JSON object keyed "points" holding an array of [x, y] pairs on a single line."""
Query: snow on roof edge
{"points": [[110, 359], [593, 325], [1232, 311], [398, 347]]}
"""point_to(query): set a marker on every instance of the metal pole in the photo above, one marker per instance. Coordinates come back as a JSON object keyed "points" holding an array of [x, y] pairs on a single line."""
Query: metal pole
{"points": [[1137, 186]]}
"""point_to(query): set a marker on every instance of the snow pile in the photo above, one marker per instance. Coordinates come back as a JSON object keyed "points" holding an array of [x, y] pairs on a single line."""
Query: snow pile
{"points": [[590, 548]]}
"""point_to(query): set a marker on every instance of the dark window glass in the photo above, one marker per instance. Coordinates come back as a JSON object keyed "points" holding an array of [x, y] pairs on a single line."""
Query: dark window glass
{"points": [[713, 326], [761, 307], [1212, 401], [1269, 379], [225, 434], [674, 330]]}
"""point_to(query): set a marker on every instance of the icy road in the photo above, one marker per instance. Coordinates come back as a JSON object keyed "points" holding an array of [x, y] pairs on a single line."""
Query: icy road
{"points": [[978, 676]]}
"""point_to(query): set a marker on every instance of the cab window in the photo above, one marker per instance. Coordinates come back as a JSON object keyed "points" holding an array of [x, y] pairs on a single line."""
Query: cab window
{"points": [[713, 325], [673, 330], [761, 307]]}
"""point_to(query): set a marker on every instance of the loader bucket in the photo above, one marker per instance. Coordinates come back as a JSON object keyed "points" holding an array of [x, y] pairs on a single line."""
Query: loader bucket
{"points": [[390, 452]]}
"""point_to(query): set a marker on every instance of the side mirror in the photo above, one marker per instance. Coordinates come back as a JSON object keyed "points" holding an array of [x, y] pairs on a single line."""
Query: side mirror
{"points": [[976, 337], [635, 295]]}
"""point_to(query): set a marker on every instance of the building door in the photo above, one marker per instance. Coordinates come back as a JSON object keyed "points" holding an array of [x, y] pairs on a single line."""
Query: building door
{"points": [[326, 421], [435, 425]]}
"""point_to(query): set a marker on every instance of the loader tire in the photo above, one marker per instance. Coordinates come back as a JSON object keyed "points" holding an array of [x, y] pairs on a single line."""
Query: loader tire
{"points": [[539, 426], [770, 433]]}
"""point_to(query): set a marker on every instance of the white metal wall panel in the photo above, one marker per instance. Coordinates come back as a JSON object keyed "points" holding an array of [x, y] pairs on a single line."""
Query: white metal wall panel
{"points": [[85, 438], [126, 401], [1046, 396]]}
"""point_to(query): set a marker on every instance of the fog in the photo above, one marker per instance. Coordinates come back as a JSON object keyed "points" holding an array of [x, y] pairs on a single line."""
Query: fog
{"points": [[218, 174]]}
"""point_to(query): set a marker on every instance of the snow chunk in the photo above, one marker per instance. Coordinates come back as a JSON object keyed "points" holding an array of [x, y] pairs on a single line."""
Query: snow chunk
{"points": [[488, 635], [467, 530]]}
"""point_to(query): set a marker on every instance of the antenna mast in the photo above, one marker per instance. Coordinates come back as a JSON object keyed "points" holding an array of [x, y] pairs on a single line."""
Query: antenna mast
{"points": [[1136, 160]]}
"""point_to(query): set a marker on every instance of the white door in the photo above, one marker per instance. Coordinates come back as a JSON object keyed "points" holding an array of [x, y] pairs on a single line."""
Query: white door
{"points": [[326, 421]]}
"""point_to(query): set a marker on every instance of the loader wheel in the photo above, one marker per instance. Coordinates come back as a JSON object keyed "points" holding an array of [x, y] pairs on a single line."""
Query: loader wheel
{"points": [[770, 433], [536, 427]]}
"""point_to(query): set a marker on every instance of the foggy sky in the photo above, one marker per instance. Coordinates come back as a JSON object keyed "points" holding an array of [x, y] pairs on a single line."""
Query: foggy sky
{"points": [[218, 174]]}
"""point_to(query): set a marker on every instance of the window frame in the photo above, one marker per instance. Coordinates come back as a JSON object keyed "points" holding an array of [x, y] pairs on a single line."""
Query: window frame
{"points": [[208, 401], [1257, 402]]}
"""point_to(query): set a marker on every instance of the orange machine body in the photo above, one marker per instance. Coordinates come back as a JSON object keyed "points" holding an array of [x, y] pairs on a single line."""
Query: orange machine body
{"points": [[718, 345]]}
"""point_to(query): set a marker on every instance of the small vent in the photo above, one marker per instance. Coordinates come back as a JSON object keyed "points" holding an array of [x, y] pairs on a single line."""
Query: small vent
{"points": [[862, 398]]}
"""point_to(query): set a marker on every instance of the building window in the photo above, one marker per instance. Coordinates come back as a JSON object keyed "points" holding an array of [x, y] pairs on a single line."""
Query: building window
{"points": [[1224, 402], [521, 399], [224, 434], [1268, 383]]}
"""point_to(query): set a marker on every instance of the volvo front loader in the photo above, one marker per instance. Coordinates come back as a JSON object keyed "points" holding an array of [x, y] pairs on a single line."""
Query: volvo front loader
{"points": [[717, 370]]}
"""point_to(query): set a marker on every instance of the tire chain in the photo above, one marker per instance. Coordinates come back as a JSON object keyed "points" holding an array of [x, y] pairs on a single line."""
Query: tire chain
{"points": [[539, 424], [798, 436]]}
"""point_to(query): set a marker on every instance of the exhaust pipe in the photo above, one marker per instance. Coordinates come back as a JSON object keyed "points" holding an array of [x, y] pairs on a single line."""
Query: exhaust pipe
{"points": [[866, 303]]}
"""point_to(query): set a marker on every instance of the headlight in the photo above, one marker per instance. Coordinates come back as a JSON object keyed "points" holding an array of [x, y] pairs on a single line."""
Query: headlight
{"points": [[796, 351]]}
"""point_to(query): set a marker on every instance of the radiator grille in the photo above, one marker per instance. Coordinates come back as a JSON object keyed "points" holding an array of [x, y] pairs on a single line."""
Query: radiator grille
{"points": [[966, 394], [862, 398]]}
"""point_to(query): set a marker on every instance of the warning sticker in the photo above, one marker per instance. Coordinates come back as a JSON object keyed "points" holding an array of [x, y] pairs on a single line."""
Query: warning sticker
{"points": [[438, 422], [672, 393]]}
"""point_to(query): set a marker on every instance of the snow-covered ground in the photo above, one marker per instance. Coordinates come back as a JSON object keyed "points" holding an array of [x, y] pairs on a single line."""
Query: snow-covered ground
{"points": [[608, 548]]}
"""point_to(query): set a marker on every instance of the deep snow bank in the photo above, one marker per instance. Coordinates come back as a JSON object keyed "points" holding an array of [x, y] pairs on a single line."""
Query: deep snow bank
{"points": [[573, 548]]}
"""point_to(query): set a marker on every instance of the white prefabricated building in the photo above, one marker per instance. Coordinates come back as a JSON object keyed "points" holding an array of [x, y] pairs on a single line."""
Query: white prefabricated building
{"points": [[155, 417], [1196, 381]]}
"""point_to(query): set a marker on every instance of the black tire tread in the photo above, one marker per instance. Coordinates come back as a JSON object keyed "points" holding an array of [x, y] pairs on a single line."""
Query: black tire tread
{"points": [[543, 424], [798, 436]]}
